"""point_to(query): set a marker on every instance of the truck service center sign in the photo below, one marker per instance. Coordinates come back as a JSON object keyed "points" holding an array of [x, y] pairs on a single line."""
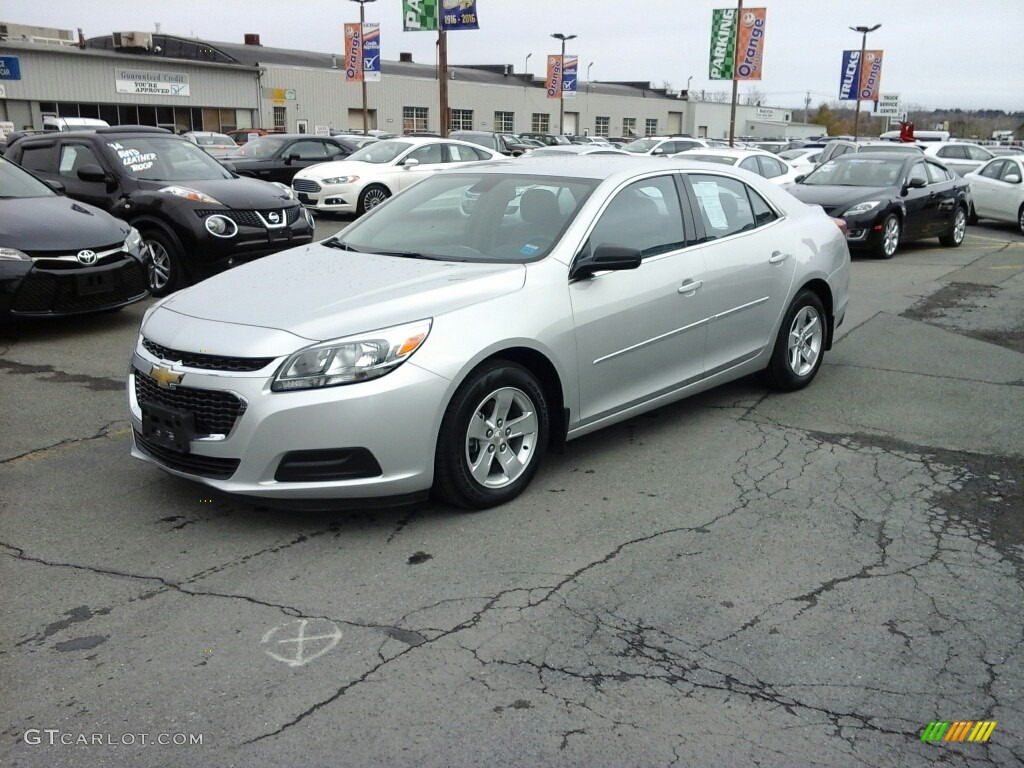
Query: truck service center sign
{"points": [[151, 83]]}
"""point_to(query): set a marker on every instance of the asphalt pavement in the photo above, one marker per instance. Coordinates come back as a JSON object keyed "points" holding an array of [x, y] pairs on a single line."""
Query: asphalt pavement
{"points": [[743, 578]]}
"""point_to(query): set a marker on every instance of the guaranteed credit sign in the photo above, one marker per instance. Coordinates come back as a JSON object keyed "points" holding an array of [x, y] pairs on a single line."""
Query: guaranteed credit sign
{"points": [[737, 43], [151, 83]]}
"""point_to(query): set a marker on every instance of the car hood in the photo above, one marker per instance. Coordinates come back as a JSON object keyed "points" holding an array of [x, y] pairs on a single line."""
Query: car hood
{"points": [[56, 224], [343, 168], [830, 196], [238, 192], [322, 293]]}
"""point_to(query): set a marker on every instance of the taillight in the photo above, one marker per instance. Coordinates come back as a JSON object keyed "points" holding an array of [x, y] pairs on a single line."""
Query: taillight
{"points": [[841, 223]]}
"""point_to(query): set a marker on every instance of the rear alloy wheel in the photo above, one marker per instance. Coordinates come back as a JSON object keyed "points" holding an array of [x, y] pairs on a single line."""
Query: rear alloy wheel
{"points": [[164, 269], [800, 346], [492, 437], [1020, 219], [371, 197], [955, 236], [890, 237]]}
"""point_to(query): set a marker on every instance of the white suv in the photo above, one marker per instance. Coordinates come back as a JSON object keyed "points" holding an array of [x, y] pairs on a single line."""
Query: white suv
{"points": [[665, 145], [959, 156]]}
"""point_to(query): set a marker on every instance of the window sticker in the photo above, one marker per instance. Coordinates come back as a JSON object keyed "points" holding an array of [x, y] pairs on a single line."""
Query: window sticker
{"points": [[707, 194]]}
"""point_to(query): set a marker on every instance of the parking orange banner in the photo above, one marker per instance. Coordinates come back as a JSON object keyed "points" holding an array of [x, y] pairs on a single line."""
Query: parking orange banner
{"points": [[871, 75], [750, 43], [554, 78], [353, 53]]}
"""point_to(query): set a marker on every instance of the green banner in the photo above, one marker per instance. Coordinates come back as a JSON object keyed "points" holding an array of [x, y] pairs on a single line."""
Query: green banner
{"points": [[723, 44], [419, 15]]}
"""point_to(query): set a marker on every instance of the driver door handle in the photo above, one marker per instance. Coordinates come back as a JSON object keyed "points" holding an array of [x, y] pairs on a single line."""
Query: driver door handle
{"points": [[777, 257], [690, 287]]}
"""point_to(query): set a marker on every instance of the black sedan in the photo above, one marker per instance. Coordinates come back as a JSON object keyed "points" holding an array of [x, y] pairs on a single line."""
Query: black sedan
{"points": [[888, 199], [278, 157], [60, 257]]}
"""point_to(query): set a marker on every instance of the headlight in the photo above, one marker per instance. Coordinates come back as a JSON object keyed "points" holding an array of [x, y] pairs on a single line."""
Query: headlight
{"points": [[13, 254], [340, 180], [221, 226], [288, 195], [191, 194], [351, 359], [864, 207], [310, 218], [134, 240]]}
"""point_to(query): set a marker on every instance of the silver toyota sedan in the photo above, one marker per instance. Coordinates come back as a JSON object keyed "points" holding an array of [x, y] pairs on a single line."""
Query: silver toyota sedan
{"points": [[449, 338]]}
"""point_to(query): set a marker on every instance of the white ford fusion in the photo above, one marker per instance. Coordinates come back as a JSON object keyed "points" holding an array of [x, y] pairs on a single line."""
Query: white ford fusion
{"points": [[371, 175], [450, 337]]}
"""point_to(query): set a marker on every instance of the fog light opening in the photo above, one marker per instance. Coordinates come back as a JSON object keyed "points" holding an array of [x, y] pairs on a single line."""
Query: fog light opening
{"points": [[221, 226]]}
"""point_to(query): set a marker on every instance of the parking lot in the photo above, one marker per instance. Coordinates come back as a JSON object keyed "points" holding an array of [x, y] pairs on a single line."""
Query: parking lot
{"points": [[741, 578]]}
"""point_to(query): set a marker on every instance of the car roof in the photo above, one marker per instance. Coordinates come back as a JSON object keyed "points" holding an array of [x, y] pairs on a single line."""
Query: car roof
{"points": [[727, 152], [903, 157]]}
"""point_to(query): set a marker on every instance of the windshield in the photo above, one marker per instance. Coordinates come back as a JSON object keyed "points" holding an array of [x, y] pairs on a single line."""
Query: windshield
{"points": [[641, 145], [720, 159], [15, 182], [214, 139], [261, 148], [158, 158], [496, 218], [857, 172], [793, 154], [380, 151]]}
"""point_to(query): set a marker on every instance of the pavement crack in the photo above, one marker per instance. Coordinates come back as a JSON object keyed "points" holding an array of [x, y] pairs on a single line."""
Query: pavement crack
{"points": [[49, 373], [104, 431]]}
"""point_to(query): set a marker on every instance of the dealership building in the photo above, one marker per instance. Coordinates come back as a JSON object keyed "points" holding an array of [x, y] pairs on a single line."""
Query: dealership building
{"points": [[183, 83]]}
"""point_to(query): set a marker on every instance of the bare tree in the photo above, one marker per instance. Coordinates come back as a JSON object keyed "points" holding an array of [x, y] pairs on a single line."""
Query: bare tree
{"points": [[755, 97], [719, 97]]}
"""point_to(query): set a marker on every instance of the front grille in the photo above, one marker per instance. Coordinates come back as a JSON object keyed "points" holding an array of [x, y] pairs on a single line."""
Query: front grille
{"points": [[207, 362], [58, 293], [69, 259], [246, 218], [215, 411], [203, 466], [305, 185]]}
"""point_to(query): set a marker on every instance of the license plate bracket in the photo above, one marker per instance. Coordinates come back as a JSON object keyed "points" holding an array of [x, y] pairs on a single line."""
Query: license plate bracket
{"points": [[169, 428], [93, 283]]}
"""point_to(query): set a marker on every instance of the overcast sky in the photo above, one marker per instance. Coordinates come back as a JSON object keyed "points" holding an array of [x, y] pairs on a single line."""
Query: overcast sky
{"points": [[938, 53]]}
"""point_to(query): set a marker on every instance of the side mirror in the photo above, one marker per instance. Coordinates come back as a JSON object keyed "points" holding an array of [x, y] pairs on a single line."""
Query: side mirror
{"points": [[291, 158], [231, 167], [412, 162], [799, 179], [606, 257], [658, 151], [916, 183], [56, 186], [1012, 178], [92, 173]]}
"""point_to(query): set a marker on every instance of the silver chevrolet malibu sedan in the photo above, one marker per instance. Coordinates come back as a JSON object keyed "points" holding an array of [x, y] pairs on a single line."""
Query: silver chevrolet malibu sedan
{"points": [[449, 338]]}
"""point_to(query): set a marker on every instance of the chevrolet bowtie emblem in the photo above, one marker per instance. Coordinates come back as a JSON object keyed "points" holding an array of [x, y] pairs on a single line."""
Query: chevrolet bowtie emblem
{"points": [[165, 377]]}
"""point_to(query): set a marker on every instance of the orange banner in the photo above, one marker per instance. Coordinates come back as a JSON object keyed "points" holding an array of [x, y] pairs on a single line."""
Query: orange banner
{"points": [[750, 43], [353, 53], [554, 78], [871, 75]]}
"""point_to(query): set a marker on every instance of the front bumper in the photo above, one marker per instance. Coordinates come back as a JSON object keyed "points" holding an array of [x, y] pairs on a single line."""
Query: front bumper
{"points": [[331, 198], [393, 418], [31, 290]]}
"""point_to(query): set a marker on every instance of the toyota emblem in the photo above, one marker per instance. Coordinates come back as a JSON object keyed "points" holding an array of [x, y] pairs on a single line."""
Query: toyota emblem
{"points": [[274, 217], [87, 257]]}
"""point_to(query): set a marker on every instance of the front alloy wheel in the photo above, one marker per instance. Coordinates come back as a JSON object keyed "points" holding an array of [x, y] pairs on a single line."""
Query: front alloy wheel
{"points": [[1020, 219], [492, 437], [371, 197], [163, 267], [957, 231], [800, 345], [890, 237]]}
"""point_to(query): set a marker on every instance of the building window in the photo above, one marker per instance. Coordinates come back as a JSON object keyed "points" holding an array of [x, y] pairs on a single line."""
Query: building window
{"points": [[650, 127], [629, 127], [414, 119], [602, 126], [280, 118], [540, 123], [504, 122], [461, 120]]}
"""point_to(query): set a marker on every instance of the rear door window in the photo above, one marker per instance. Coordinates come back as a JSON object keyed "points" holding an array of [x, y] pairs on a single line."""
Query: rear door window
{"points": [[38, 157]]}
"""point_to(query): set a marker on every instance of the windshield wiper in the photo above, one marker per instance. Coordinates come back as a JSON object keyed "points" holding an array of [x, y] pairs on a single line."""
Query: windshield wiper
{"points": [[412, 255], [335, 243]]}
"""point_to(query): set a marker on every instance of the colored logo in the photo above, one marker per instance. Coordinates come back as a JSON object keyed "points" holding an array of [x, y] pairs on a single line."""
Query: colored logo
{"points": [[960, 730], [165, 377]]}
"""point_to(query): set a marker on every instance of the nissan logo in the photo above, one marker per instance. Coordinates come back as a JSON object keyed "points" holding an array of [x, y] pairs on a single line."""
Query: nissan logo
{"points": [[274, 217], [86, 257]]}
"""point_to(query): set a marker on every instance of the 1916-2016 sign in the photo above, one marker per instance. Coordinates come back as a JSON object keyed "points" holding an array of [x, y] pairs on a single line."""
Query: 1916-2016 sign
{"points": [[151, 83]]}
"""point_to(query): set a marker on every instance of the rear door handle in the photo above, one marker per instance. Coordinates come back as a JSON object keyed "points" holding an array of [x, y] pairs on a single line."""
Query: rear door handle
{"points": [[778, 257], [690, 287]]}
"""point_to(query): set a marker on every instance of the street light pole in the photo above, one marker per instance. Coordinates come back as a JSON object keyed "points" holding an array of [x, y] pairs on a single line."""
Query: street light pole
{"points": [[362, 25], [863, 47], [561, 83], [526, 64]]}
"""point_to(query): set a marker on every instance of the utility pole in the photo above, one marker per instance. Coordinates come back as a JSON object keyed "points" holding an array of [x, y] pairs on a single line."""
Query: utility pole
{"points": [[807, 107], [362, 27], [442, 73], [735, 86], [561, 83]]}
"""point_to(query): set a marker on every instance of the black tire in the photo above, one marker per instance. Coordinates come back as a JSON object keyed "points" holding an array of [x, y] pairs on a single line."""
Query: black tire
{"points": [[972, 216], [164, 269], [1020, 219], [887, 246], [957, 229], [454, 482], [780, 372], [371, 197]]}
